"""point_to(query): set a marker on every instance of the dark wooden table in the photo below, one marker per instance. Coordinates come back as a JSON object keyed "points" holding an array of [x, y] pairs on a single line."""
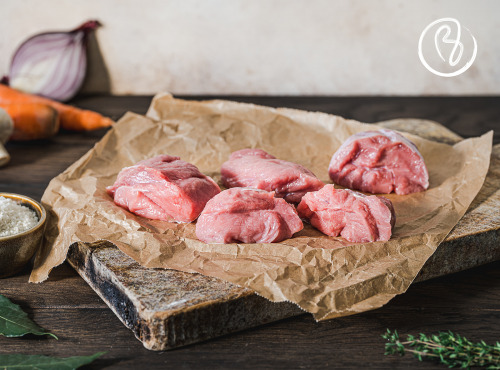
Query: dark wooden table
{"points": [[466, 302]]}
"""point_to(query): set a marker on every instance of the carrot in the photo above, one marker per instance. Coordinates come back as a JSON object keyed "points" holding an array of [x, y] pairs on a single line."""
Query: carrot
{"points": [[72, 118], [32, 121]]}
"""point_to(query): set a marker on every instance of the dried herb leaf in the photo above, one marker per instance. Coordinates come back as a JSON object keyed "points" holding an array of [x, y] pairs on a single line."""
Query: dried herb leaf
{"points": [[14, 322], [22, 362], [448, 348]]}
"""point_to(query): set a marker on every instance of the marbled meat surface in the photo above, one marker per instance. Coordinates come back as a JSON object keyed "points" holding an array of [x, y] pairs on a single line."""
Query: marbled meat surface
{"points": [[356, 217], [163, 188], [379, 162], [247, 216], [255, 168]]}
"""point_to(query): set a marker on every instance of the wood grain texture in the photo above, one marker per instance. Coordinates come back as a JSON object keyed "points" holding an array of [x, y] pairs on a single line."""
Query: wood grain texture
{"points": [[466, 302]]}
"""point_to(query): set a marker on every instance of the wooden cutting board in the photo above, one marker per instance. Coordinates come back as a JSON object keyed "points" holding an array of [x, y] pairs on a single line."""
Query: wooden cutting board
{"points": [[167, 308]]}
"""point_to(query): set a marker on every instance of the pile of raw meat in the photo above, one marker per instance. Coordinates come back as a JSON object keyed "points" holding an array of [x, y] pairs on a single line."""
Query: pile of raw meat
{"points": [[267, 198]]}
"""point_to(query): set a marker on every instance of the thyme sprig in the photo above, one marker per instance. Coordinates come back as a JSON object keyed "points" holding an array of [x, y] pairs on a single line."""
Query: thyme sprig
{"points": [[448, 348]]}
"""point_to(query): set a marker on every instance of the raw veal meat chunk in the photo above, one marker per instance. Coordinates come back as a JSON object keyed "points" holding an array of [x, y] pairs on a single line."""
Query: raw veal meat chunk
{"points": [[254, 168], [248, 216], [163, 188], [356, 217], [379, 162]]}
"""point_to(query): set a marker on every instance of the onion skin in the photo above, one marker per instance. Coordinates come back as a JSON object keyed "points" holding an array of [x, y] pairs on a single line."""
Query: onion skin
{"points": [[52, 64]]}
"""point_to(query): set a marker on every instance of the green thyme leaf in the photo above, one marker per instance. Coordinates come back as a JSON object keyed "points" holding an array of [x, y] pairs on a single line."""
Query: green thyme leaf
{"points": [[448, 348]]}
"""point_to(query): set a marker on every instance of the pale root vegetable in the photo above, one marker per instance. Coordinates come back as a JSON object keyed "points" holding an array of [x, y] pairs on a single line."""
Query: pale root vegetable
{"points": [[6, 129]]}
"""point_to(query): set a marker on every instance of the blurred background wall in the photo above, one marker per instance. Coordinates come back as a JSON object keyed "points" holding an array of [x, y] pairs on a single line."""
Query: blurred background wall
{"points": [[267, 47]]}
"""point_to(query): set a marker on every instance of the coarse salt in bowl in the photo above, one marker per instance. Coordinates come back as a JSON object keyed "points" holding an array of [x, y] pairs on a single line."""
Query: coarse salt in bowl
{"points": [[15, 218], [22, 225]]}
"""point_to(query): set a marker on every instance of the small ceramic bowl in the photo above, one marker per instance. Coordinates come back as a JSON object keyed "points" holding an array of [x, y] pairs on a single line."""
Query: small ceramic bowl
{"points": [[17, 250]]}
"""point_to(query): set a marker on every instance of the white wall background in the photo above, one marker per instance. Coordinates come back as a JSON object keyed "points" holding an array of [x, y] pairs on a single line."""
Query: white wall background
{"points": [[311, 47]]}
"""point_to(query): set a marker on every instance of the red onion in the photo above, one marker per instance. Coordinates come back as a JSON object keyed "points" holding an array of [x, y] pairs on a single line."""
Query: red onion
{"points": [[52, 64]]}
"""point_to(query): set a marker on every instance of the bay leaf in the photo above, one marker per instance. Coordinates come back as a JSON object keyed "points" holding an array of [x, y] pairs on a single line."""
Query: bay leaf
{"points": [[14, 322], [32, 362]]}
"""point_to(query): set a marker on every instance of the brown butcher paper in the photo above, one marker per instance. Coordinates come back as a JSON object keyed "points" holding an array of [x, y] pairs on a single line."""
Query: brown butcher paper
{"points": [[326, 276]]}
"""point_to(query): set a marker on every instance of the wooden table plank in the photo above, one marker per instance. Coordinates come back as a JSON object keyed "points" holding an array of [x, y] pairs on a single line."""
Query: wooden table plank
{"points": [[466, 302]]}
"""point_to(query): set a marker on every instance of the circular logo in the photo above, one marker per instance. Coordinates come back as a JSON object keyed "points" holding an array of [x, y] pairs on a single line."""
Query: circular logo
{"points": [[441, 38]]}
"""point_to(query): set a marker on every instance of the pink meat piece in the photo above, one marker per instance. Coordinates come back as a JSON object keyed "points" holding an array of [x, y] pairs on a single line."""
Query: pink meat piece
{"points": [[163, 188], [254, 168], [248, 216], [356, 217], [379, 162]]}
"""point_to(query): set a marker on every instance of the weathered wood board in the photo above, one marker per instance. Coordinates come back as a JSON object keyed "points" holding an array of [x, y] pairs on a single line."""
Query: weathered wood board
{"points": [[167, 309]]}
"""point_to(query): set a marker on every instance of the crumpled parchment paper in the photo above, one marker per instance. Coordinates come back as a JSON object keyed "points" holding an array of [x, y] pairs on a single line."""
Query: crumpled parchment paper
{"points": [[326, 276]]}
